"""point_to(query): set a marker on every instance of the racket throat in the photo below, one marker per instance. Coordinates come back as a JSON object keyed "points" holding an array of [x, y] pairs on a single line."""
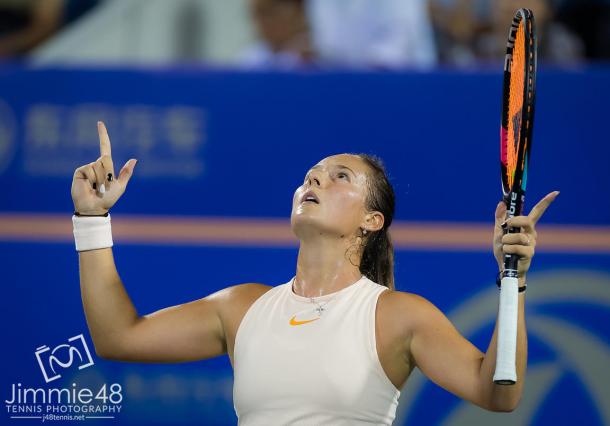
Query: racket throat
{"points": [[514, 203]]}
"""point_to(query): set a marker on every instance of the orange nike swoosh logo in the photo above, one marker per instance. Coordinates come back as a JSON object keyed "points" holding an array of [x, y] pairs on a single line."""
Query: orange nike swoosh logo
{"points": [[293, 321]]}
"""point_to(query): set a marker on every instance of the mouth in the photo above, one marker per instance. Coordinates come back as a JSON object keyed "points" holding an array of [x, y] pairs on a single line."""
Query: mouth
{"points": [[310, 197]]}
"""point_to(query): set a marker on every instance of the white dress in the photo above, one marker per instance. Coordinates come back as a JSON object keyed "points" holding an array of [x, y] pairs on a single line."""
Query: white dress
{"points": [[295, 366]]}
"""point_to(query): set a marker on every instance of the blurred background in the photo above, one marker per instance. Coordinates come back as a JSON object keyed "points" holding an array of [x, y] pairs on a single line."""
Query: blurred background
{"points": [[289, 34], [227, 104]]}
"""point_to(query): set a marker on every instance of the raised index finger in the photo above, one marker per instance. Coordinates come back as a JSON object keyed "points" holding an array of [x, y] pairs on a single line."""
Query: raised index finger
{"points": [[542, 205], [104, 139]]}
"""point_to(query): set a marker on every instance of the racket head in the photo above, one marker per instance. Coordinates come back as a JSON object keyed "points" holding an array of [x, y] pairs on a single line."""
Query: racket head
{"points": [[518, 101]]}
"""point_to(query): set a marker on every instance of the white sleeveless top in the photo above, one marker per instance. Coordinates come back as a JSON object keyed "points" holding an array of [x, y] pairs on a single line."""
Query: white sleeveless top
{"points": [[295, 366]]}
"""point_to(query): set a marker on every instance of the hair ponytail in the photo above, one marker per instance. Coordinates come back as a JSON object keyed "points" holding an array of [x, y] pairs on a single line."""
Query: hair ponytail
{"points": [[377, 262]]}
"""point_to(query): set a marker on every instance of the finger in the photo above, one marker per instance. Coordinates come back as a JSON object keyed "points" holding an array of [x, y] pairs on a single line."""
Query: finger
{"points": [[500, 216], [523, 222], [127, 171], [98, 168], [542, 205], [500, 213], [520, 239], [104, 139], [526, 252], [109, 169], [86, 172]]}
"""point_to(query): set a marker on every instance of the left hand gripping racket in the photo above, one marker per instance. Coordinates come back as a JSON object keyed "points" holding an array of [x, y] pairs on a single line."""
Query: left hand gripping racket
{"points": [[518, 98]]}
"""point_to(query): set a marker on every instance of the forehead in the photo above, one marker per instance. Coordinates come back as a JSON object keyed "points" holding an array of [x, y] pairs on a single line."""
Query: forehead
{"points": [[350, 161]]}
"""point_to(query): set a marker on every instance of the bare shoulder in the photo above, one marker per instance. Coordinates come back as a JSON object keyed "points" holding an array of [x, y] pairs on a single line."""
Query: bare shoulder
{"points": [[233, 302], [241, 290], [395, 299], [405, 310], [238, 297], [397, 317]]}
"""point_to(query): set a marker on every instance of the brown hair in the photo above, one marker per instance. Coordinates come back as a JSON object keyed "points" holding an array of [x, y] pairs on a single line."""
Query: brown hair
{"points": [[377, 262]]}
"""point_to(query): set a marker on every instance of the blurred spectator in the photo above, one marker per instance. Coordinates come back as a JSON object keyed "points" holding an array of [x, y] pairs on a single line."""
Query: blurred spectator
{"points": [[473, 31], [372, 33], [457, 23], [386, 34], [26, 23], [283, 30], [556, 44]]}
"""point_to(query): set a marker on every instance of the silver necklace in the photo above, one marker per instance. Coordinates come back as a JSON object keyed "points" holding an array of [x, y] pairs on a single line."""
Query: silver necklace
{"points": [[320, 308]]}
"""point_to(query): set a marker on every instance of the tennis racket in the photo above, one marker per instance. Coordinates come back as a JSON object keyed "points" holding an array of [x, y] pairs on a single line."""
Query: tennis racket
{"points": [[518, 98]]}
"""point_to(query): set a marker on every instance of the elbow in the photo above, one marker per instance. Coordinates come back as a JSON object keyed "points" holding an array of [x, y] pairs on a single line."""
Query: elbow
{"points": [[105, 352], [114, 345], [108, 349], [501, 402], [112, 354], [505, 407]]}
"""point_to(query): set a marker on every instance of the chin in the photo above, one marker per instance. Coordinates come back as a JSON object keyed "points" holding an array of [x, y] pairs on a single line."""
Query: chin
{"points": [[305, 225]]}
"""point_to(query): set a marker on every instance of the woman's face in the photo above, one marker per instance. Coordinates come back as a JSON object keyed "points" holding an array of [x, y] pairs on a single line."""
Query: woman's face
{"points": [[339, 183]]}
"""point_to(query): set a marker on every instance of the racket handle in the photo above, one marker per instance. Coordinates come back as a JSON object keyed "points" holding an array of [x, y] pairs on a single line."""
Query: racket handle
{"points": [[506, 369]]}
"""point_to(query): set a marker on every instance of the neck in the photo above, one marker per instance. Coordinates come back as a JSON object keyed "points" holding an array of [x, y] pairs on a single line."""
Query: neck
{"points": [[323, 267]]}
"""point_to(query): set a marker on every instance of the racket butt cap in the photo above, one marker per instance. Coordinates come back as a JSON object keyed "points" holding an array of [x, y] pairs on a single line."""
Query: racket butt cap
{"points": [[505, 382]]}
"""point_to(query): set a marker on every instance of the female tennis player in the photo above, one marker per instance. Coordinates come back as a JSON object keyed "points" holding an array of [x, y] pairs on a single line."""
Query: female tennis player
{"points": [[333, 345]]}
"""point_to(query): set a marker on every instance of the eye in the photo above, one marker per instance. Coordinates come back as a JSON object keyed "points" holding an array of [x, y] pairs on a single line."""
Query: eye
{"points": [[343, 174]]}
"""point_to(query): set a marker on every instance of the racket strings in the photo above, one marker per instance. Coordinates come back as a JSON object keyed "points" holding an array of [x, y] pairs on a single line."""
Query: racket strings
{"points": [[515, 105]]}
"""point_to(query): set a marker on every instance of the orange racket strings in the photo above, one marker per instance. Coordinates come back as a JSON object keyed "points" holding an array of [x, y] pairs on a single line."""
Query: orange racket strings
{"points": [[515, 103]]}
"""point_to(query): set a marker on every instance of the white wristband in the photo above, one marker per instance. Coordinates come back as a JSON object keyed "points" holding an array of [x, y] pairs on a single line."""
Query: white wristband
{"points": [[92, 233]]}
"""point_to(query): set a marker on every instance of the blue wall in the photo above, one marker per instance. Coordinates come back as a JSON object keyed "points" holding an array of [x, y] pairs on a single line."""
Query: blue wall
{"points": [[238, 145]]}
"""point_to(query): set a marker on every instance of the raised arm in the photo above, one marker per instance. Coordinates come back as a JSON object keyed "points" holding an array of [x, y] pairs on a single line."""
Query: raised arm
{"points": [[180, 333], [450, 360], [455, 364], [186, 332]]}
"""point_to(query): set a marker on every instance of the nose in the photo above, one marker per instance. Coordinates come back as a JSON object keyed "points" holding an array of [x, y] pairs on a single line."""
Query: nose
{"points": [[315, 178]]}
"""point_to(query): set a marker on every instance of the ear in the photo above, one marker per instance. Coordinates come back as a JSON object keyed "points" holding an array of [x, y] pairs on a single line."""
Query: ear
{"points": [[373, 221]]}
